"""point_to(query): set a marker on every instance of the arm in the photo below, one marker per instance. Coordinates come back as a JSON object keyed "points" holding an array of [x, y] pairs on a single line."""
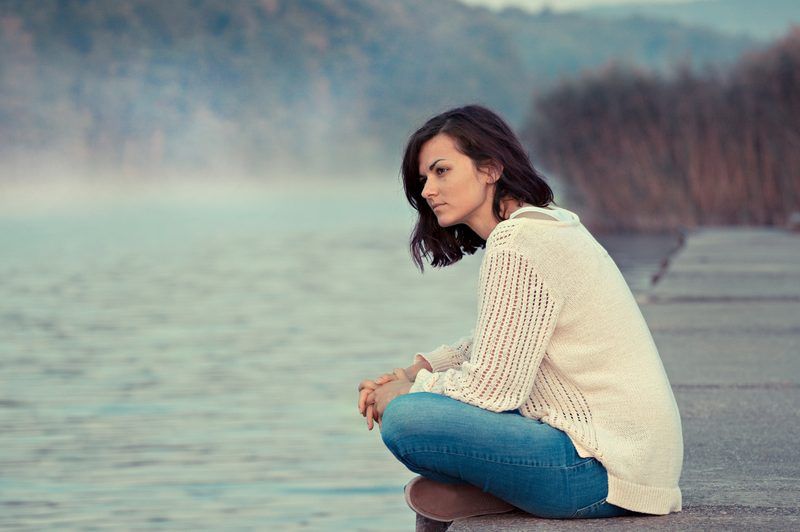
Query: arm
{"points": [[516, 318], [446, 356], [440, 359]]}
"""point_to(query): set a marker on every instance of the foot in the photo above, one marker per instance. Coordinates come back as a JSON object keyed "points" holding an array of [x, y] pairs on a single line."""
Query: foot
{"points": [[446, 502]]}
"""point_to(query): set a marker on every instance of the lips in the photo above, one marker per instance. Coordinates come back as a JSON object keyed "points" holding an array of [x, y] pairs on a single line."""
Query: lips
{"points": [[436, 205]]}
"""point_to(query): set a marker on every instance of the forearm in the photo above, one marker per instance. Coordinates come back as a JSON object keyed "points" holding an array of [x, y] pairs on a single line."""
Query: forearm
{"points": [[414, 368]]}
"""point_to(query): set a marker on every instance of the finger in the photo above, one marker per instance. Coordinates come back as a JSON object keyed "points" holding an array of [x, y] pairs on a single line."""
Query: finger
{"points": [[378, 415], [367, 384], [370, 413], [362, 400]]}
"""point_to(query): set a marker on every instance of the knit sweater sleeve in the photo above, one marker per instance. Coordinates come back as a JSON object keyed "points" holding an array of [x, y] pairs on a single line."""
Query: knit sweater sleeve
{"points": [[517, 315], [447, 356]]}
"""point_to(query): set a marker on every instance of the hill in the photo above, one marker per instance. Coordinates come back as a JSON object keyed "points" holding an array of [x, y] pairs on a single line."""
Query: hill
{"points": [[267, 87], [764, 20]]}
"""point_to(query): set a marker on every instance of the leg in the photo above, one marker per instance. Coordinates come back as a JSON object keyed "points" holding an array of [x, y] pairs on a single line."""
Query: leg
{"points": [[523, 461]]}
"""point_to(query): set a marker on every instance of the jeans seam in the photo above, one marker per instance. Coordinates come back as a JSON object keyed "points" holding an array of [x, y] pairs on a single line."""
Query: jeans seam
{"points": [[582, 462]]}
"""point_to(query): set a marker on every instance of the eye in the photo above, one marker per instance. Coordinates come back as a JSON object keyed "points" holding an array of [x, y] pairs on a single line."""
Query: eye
{"points": [[422, 178], [440, 168]]}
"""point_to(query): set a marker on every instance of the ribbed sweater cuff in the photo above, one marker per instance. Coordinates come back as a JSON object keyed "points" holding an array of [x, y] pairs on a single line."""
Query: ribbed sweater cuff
{"points": [[641, 498], [442, 358]]}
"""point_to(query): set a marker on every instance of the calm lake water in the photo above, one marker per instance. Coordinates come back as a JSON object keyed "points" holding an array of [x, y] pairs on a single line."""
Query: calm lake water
{"points": [[187, 357]]}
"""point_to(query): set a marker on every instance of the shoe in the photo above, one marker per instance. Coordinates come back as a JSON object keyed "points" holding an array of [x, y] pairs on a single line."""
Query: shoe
{"points": [[447, 502]]}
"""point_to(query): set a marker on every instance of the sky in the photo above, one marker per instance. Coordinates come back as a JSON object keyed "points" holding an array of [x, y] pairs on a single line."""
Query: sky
{"points": [[562, 5]]}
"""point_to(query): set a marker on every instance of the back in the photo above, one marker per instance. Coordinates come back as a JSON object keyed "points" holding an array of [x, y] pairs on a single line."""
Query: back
{"points": [[601, 379]]}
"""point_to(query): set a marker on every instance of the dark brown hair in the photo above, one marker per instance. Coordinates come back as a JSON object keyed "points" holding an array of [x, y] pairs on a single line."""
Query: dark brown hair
{"points": [[486, 139]]}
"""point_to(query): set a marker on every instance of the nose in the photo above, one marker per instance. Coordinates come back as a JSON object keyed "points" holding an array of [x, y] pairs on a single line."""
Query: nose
{"points": [[427, 189]]}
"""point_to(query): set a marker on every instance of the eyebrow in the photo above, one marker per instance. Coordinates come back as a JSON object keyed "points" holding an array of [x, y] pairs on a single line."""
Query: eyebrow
{"points": [[434, 162]]}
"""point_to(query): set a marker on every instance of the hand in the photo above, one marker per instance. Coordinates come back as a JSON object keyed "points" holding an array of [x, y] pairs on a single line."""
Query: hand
{"points": [[366, 387], [384, 394], [366, 397]]}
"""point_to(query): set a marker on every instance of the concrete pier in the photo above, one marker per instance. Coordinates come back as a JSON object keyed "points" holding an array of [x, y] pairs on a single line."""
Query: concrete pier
{"points": [[725, 315]]}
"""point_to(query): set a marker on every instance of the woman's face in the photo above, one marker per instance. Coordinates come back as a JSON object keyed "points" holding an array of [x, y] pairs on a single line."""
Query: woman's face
{"points": [[456, 190]]}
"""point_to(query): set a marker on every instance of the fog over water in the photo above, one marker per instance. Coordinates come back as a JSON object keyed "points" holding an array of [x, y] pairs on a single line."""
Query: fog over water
{"points": [[186, 356]]}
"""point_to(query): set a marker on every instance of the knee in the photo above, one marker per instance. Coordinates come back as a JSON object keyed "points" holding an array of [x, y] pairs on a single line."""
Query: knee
{"points": [[405, 418]]}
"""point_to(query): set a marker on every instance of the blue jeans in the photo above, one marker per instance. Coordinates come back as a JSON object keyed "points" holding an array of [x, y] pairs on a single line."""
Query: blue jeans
{"points": [[521, 460]]}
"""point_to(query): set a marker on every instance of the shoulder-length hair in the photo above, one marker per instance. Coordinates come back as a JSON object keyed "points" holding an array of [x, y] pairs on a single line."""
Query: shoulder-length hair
{"points": [[486, 139]]}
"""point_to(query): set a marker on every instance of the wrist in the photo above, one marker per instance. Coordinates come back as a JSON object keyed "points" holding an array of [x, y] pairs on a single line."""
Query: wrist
{"points": [[412, 370], [422, 363]]}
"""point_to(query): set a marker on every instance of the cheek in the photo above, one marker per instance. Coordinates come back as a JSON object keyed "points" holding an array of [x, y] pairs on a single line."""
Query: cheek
{"points": [[472, 191], [461, 186]]}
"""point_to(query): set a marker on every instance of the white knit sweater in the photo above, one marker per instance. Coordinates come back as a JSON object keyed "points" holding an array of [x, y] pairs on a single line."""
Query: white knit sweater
{"points": [[560, 336]]}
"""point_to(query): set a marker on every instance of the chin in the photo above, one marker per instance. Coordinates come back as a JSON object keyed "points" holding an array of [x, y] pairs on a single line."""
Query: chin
{"points": [[444, 221]]}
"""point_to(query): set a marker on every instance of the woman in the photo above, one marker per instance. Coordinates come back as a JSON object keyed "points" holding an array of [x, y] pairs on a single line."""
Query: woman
{"points": [[558, 402]]}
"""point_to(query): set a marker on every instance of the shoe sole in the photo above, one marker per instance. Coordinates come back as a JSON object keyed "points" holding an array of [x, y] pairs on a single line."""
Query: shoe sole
{"points": [[473, 512]]}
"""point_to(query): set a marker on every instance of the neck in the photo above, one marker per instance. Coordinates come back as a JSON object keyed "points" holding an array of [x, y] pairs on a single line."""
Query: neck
{"points": [[488, 221]]}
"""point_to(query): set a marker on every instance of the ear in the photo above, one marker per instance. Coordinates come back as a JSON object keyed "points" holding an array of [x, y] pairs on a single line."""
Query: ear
{"points": [[493, 170]]}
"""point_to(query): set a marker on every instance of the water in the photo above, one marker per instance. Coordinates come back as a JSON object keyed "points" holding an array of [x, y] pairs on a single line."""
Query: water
{"points": [[188, 359]]}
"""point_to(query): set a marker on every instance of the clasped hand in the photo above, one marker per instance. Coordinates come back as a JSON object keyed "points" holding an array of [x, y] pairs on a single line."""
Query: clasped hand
{"points": [[375, 395]]}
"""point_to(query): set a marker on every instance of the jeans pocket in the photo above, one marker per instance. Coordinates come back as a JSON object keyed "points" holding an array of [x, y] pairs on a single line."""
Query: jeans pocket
{"points": [[588, 511], [602, 508]]}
